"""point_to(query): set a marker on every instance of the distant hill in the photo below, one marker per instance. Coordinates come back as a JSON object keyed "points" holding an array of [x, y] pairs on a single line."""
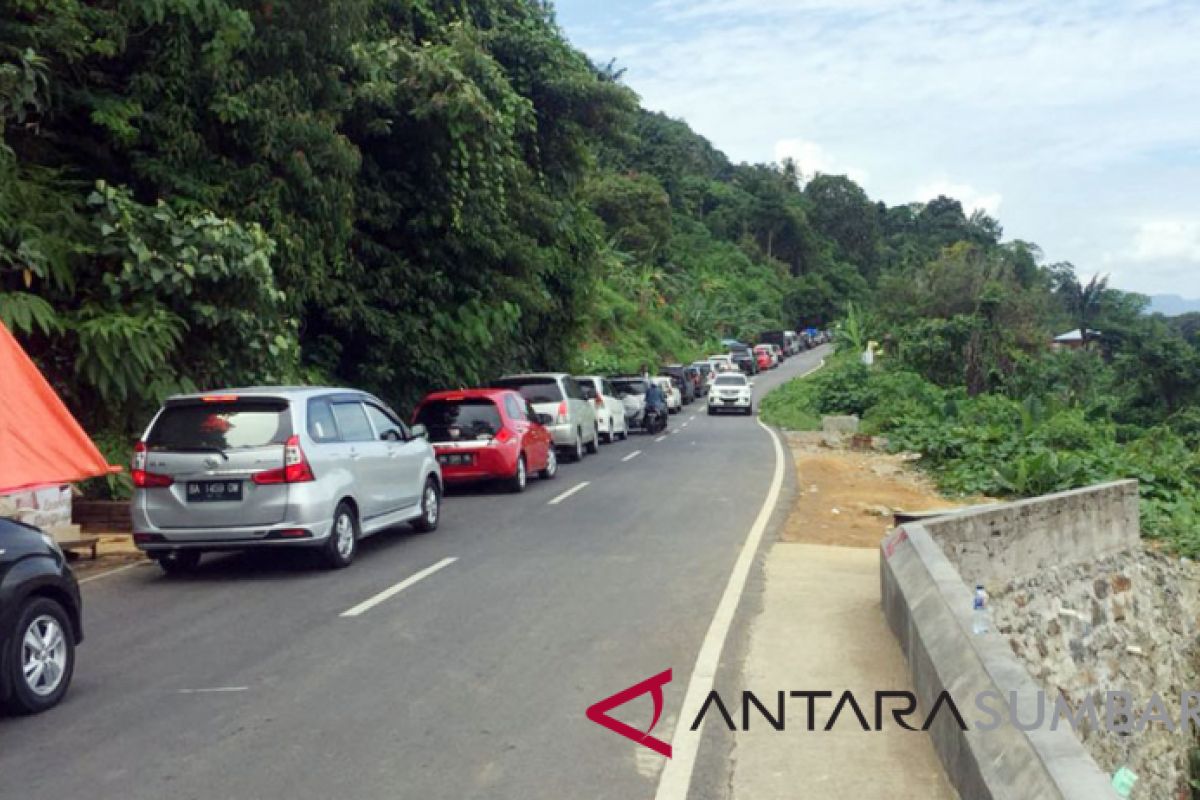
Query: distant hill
{"points": [[1172, 305]]}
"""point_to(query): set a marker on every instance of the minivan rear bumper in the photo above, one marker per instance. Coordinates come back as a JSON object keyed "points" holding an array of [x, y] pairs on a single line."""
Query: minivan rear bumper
{"points": [[284, 534], [563, 435]]}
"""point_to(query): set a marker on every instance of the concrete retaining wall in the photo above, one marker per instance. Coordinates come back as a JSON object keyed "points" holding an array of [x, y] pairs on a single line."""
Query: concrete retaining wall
{"points": [[1002, 541], [927, 603]]}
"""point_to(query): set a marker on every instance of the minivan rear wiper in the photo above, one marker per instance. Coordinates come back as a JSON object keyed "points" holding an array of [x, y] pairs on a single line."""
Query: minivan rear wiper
{"points": [[216, 450]]}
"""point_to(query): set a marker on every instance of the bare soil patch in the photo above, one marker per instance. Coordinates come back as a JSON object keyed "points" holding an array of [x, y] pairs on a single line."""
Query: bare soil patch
{"points": [[847, 497]]}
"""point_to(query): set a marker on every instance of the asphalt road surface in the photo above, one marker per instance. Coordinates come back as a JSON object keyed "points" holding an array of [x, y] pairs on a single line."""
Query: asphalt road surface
{"points": [[454, 679]]}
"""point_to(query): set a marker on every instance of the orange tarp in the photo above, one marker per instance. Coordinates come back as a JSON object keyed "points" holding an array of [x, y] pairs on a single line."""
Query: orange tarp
{"points": [[41, 444]]}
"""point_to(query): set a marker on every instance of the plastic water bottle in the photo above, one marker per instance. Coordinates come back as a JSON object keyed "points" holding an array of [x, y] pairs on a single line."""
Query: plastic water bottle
{"points": [[979, 619]]}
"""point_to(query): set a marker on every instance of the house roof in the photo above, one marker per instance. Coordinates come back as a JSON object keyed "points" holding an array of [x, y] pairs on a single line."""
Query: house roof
{"points": [[1075, 336]]}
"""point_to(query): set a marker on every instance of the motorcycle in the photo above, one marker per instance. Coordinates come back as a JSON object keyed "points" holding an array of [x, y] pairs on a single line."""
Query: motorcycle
{"points": [[654, 421]]}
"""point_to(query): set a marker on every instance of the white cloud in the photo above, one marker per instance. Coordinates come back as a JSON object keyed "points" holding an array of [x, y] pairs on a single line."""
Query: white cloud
{"points": [[1167, 240], [811, 159], [971, 198]]}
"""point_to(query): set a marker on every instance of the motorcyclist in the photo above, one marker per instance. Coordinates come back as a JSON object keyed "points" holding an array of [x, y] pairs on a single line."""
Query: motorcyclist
{"points": [[655, 399]]}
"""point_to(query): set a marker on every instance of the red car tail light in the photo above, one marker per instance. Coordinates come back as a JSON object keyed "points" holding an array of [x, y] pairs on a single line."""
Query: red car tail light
{"points": [[561, 419], [143, 479], [295, 469], [599, 401], [503, 435]]}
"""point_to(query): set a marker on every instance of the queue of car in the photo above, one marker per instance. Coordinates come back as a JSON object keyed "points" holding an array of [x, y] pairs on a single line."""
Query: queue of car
{"points": [[322, 468]]}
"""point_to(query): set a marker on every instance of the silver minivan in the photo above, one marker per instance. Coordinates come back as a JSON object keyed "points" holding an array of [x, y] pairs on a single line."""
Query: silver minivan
{"points": [[243, 469], [572, 418]]}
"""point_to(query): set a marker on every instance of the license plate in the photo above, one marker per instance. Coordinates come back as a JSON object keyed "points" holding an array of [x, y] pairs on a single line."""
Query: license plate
{"points": [[456, 459], [730, 400], [214, 491]]}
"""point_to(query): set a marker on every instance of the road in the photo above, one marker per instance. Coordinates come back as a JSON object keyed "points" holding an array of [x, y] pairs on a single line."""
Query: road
{"points": [[247, 681]]}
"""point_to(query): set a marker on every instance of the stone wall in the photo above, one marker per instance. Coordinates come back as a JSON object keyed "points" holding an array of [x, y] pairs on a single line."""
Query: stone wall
{"points": [[996, 543], [1124, 622]]}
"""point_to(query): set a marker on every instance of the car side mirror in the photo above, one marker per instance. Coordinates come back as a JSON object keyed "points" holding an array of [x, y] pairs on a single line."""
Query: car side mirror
{"points": [[420, 431], [545, 419], [391, 435]]}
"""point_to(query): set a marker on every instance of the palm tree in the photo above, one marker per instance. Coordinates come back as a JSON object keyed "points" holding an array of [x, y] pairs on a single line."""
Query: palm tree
{"points": [[1083, 301]]}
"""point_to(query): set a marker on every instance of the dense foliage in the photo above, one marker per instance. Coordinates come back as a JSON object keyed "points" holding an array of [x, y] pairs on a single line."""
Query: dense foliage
{"points": [[967, 376], [395, 194]]}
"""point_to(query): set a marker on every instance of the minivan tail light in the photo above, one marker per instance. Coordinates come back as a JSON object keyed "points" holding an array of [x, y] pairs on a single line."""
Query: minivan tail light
{"points": [[143, 479], [599, 401], [562, 413], [295, 469]]}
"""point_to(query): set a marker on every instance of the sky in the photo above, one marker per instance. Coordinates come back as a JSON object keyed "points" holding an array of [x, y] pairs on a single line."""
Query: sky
{"points": [[1075, 122]]}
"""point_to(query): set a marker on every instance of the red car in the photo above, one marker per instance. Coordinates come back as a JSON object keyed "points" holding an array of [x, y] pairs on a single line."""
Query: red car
{"points": [[763, 357], [487, 434]]}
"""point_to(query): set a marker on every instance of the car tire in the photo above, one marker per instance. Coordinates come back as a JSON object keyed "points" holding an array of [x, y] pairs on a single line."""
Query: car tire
{"points": [[520, 479], [179, 562], [593, 446], [712, 412], [342, 544], [624, 432], [45, 618], [576, 453], [431, 507], [749, 411], [609, 436], [551, 468]]}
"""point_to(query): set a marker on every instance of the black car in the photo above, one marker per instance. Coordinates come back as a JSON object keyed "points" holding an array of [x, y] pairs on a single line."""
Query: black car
{"points": [[684, 380], [40, 619], [744, 359]]}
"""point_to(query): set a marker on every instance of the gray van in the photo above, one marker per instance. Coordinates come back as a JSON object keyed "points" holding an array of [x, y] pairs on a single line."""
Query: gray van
{"points": [[241, 469]]}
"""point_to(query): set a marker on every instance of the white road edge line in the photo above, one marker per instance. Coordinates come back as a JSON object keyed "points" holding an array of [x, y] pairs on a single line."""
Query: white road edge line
{"points": [[390, 592], [661, 438], [113, 571], [676, 777], [632, 455], [576, 488], [215, 690]]}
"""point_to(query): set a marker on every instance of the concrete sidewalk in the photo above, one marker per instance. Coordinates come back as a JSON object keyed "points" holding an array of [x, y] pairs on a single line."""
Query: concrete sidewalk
{"points": [[822, 629]]}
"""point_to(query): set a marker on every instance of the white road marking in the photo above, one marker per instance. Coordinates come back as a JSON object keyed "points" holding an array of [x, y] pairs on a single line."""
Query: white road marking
{"points": [[676, 777], [661, 438], [114, 571], [390, 592], [684, 425], [576, 488], [215, 690], [632, 455]]}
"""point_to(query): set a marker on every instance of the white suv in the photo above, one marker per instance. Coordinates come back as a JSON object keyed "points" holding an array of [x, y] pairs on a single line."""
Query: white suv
{"points": [[731, 391], [573, 419]]}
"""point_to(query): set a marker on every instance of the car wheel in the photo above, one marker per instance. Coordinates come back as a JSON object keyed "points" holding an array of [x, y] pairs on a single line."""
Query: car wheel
{"points": [[343, 538], [40, 658], [551, 465], [609, 435], [712, 412], [624, 432], [180, 562], [593, 446], [520, 479], [577, 448], [749, 411], [431, 507]]}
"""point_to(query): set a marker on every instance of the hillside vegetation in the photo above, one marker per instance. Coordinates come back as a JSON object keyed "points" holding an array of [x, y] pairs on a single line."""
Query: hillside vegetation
{"points": [[393, 194]]}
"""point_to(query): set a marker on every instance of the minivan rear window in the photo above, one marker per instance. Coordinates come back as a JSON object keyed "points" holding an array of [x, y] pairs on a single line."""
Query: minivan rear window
{"points": [[535, 390], [627, 387], [226, 425], [460, 420]]}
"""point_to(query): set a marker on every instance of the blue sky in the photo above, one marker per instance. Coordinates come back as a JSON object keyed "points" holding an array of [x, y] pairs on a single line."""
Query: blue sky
{"points": [[1075, 122]]}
